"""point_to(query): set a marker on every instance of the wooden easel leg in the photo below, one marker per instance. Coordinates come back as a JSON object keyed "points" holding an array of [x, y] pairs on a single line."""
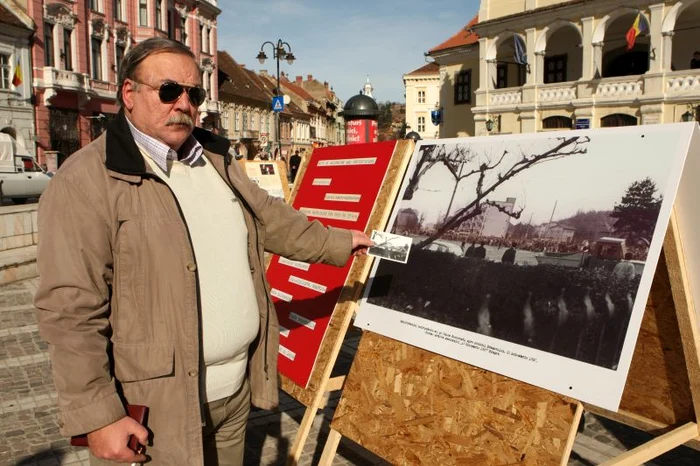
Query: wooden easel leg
{"points": [[656, 447], [302, 435], [330, 449], [572, 435]]}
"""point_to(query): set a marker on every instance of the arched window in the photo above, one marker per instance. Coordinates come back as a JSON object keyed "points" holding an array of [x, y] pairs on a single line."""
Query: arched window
{"points": [[618, 119], [557, 122]]}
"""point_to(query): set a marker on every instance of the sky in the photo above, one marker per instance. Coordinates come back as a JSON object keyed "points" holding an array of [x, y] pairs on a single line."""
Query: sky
{"points": [[342, 42], [595, 180]]}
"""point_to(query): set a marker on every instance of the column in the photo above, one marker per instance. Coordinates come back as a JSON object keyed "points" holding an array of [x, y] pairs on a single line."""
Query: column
{"points": [[656, 52], [598, 60], [588, 68], [530, 38], [667, 51]]}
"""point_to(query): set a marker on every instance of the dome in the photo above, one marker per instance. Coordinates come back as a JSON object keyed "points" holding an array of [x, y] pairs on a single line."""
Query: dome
{"points": [[361, 106]]}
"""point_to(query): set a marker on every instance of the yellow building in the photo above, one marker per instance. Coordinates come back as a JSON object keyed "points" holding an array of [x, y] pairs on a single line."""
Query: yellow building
{"points": [[458, 61], [559, 64]]}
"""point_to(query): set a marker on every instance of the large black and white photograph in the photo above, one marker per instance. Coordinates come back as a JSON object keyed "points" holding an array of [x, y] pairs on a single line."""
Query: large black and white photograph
{"points": [[532, 254]]}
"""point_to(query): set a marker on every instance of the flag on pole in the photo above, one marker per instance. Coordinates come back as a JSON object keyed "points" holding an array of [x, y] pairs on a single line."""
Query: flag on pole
{"points": [[520, 56], [17, 78], [638, 27]]}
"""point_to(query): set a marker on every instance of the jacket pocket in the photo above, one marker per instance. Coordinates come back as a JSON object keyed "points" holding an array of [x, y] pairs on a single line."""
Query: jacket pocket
{"points": [[142, 362]]}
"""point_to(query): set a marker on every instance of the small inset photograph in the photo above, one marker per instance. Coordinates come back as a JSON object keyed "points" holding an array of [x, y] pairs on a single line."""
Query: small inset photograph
{"points": [[390, 246], [267, 169]]}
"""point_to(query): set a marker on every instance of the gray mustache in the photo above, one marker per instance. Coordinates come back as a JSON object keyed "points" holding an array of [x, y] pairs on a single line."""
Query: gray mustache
{"points": [[180, 120]]}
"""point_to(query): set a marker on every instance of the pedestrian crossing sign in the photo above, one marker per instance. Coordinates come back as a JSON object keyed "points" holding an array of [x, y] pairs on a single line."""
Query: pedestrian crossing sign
{"points": [[278, 103]]}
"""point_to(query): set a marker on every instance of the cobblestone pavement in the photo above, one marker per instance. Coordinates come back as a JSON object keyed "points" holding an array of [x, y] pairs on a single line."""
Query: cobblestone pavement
{"points": [[29, 433]]}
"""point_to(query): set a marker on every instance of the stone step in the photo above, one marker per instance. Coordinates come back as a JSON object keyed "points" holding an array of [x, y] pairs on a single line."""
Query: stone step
{"points": [[17, 264]]}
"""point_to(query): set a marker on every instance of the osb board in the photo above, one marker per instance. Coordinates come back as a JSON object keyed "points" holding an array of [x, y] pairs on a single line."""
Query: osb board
{"points": [[410, 406], [342, 314]]}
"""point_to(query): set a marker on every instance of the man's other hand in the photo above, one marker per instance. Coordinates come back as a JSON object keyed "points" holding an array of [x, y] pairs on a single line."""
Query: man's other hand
{"points": [[360, 243], [111, 442]]}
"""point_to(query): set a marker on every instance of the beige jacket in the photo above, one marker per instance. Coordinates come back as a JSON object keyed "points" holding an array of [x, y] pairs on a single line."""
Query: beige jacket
{"points": [[117, 299]]}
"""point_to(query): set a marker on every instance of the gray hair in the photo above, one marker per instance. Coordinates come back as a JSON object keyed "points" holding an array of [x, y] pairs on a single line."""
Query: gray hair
{"points": [[141, 51]]}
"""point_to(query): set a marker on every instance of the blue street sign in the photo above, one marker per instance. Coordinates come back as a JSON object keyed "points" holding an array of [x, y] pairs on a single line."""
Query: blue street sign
{"points": [[278, 103], [583, 123]]}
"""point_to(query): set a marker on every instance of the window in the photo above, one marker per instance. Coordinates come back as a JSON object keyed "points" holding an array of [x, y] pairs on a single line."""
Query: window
{"points": [[118, 10], [618, 119], [267, 124], [96, 46], [421, 124], [557, 122], [5, 71], [555, 69], [236, 121], [245, 121], [171, 24], [501, 76], [143, 12], [67, 53], [95, 5], [183, 30], [159, 14], [201, 37], [119, 56], [463, 87], [48, 44], [253, 121], [421, 97]]}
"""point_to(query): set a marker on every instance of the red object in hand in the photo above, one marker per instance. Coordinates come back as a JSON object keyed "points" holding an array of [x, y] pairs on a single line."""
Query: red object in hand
{"points": [[136, 412]]}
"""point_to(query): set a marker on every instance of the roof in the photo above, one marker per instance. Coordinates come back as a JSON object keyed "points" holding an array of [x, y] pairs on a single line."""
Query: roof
{"points": [[240, 82], [8, 17], [465, 36], [430, 68]]}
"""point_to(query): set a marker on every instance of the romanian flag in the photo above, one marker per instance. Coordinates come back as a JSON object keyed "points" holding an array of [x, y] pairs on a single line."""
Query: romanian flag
{"points": [[638, 27], [17, 78]]}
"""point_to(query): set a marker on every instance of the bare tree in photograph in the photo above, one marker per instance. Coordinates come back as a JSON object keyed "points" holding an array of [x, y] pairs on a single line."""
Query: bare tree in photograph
{"points": [[490, 174]]}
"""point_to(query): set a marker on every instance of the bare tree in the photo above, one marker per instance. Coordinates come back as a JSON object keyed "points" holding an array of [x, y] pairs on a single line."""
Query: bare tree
{"points": [[490, 174]]}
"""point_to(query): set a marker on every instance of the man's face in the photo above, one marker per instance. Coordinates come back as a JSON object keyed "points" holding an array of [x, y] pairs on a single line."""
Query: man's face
{"points": [[170, 123]]}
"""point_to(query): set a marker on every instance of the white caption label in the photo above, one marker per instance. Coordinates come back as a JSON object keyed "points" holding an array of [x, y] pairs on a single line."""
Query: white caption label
{"points": [[345, 162], [322, 182], [287, 353], [281, 295], [295, 264], [284, 332], [307, 284], [310, 324], [342, 197], [331, 214]]}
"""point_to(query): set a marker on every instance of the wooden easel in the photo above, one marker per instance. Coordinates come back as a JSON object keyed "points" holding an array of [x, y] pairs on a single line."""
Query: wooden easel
{"points": [[321, 384], [410, 406]]}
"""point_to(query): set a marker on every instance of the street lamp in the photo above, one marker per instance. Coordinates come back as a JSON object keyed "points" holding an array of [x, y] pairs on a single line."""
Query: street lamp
{"points": [[281, 50]]}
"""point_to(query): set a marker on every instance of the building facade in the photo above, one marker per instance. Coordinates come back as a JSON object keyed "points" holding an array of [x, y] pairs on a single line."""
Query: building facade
{"points": [[561, 64], [16, 109], [77, 51], [458, 61], [492, 222], [422, 90]]}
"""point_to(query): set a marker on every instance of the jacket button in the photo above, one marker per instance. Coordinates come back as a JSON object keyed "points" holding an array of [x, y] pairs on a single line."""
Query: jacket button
{"points": [[191, 266], [192, 373]]}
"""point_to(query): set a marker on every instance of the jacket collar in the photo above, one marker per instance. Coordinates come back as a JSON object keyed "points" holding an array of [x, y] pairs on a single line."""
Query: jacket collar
{"points": [[123, 156]]}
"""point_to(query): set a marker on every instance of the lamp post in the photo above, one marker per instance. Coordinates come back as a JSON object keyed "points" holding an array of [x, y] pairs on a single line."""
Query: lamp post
{"points": [[281, 50]]}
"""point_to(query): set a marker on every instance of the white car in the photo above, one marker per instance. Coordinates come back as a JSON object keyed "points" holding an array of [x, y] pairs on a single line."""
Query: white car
{"points": [[21, 178], [445, 246]]}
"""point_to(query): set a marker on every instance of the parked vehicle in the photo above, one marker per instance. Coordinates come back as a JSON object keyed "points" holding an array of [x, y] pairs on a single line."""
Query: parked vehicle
{"points": [[606, 252], [445, 246], [21, 178]]}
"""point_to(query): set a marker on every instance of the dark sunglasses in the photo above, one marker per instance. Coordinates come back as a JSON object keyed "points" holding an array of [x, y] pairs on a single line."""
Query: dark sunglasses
{"points": [[170, 91]]}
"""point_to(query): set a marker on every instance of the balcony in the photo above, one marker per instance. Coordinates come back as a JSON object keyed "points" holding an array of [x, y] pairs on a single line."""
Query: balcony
{"points": [[557, 93], [623, 88], [682, 83], [507, 96], [210, 106], [53, 78]]}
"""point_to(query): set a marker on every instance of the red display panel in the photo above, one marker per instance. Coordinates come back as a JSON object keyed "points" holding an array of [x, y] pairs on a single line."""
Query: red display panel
{"points": [[339, 188], [361, 131]]}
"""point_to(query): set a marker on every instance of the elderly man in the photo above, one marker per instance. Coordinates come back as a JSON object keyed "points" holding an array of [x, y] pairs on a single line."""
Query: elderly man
{"points": [[152, 288]]}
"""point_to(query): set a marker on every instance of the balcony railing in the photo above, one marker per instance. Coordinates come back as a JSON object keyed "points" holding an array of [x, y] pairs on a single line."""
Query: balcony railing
{"points": [[682, 82], [557, 93], [508, 96], [620, 88], [64, 79], [210, 106]]}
